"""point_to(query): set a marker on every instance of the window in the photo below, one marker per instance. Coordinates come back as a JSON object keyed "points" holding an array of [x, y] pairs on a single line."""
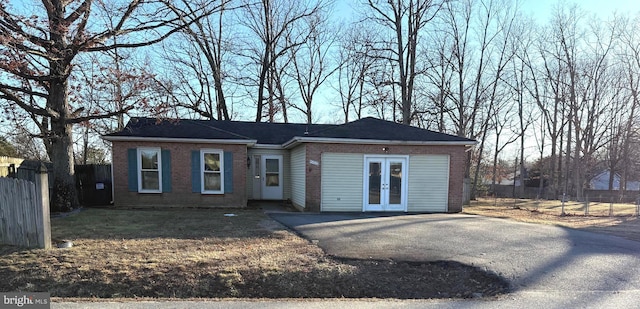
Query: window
{"points": [[212, 171], [149, 170]]}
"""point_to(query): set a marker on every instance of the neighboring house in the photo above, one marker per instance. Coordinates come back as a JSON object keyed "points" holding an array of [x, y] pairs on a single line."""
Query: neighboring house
{"points": [[364, 165], [601, 182], [507, 180]]}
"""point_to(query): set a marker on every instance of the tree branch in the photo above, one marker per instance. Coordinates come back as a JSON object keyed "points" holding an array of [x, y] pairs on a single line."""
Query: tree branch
{"points": [[26, 91], [102, 116], [47, 112]]}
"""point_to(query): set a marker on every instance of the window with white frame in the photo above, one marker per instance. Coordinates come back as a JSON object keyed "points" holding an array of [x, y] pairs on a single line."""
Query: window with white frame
{"points": [[212, 171], [149, 170]]}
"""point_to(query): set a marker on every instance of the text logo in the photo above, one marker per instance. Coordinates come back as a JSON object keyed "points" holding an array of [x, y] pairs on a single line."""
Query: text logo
{"points": [[25, 300]]}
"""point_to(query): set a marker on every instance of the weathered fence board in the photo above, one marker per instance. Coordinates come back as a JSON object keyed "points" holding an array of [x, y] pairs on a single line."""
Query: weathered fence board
{"points": [[24, 212]]}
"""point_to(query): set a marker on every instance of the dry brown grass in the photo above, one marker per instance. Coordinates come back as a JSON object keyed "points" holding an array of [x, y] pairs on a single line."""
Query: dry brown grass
{"points": [[622, 221], [196, 253]]}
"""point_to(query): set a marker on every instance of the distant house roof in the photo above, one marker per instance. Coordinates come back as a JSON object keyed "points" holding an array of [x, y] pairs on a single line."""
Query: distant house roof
{"points": [[279, 133], [601, 182]]}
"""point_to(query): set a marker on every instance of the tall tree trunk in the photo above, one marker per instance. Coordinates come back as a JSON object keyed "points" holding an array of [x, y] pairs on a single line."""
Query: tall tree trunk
{"points": [[521, 190], [568, 156], [541, 179], [64, 186], [223, 111], [261, 84]]}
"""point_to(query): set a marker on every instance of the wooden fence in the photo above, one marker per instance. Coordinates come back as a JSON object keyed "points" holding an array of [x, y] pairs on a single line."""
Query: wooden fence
{"points": [[466, 191], [24, 212], [93, 181]]}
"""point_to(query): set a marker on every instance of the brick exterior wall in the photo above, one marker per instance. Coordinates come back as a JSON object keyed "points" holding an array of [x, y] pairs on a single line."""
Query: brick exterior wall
{"points": [[456, 167], [181, 194]]}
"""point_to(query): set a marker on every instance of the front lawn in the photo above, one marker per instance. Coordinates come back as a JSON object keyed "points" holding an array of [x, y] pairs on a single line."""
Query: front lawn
{"points": [[199, 253], [615, 219]]}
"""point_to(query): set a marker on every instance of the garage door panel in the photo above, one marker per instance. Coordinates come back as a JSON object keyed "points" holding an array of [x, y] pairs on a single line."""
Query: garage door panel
{"points": [[341, 182], [428, 183]]}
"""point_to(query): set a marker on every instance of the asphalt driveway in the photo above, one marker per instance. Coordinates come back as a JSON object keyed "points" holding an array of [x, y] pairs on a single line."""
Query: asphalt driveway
{"points": [[535, 258], [549, 267]]}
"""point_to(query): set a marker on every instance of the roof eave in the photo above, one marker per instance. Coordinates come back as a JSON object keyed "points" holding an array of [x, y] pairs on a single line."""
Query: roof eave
{"points": [[179, 140], [268, 146], [331, 140]]}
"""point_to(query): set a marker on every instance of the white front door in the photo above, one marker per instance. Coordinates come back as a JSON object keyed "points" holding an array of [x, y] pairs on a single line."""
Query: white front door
{"points": [[385, 183], [271, 180]]}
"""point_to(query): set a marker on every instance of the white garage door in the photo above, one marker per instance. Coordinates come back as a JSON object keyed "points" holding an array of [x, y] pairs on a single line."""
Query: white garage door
{"points": [[428, 183], [341, 182]]}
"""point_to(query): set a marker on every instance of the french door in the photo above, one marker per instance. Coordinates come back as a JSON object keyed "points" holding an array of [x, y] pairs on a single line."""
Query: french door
{"points": [[385, 183]]}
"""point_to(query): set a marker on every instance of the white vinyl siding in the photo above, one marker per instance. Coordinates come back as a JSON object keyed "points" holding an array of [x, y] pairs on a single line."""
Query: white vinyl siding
{"points": [[428, 183], [298, 181], [342, 181], [286, 171]]}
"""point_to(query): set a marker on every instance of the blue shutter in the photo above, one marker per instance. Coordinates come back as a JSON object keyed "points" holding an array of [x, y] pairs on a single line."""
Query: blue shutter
{"points": [[166, 170], [195, 171], [228, 172], [132, 171]]}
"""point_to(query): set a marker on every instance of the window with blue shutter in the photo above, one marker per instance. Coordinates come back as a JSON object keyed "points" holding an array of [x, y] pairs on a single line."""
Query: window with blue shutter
{"points": [[149, 170], [132, 169], [166, 170], [228, 172], [211, 171], [195, 171]]}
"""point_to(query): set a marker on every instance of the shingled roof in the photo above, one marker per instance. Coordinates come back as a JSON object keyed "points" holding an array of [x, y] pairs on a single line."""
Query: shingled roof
{"points": [[279, 133]]}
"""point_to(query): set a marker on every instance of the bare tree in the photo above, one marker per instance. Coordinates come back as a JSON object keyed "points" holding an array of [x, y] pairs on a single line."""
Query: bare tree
{"points": [[188, 85], [564, 38], [207, 36], [440, 77], [546, 88], [498, 33], [117, 79], [355, 56], [459, 20], [406, 19], [312, 62], [624, 111], [597, 95], [37, 54], [276, 26], [574, 69]]}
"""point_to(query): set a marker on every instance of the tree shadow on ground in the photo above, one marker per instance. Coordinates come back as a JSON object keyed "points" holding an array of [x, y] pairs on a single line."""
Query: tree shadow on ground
{"points": [[346, 278]]}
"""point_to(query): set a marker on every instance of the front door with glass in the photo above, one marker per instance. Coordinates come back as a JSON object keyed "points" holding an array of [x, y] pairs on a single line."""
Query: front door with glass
{"points": [[271, 180], [385, 183]]}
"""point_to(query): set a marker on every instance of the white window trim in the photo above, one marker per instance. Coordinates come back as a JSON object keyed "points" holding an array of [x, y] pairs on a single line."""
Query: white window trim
{"points": [[221, 154], [139, 171]]}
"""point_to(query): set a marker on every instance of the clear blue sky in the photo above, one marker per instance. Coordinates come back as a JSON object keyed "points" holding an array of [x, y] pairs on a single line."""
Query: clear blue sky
{"points": [[541, 9]]}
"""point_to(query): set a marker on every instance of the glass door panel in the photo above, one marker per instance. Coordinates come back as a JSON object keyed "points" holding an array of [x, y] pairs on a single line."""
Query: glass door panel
{"points": [[395, 183], [385, 184], [272, 172], [375, 182]]}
